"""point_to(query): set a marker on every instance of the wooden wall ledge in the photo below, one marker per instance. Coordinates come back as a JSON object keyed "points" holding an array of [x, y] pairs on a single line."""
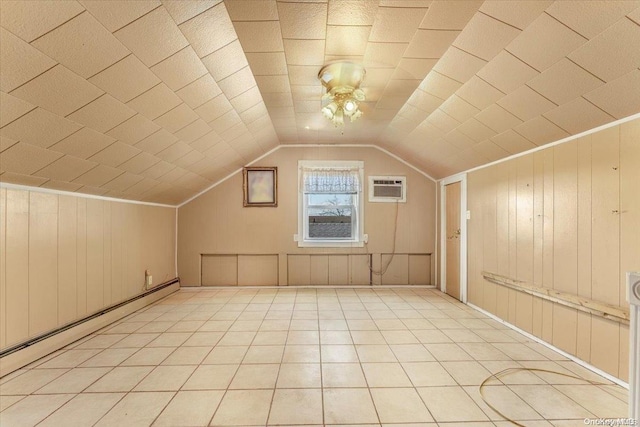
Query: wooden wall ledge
{"points": [[608, 311]]}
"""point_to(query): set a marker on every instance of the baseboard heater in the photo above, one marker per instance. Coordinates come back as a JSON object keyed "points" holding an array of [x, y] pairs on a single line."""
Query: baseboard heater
{"points": [[41, 337]]}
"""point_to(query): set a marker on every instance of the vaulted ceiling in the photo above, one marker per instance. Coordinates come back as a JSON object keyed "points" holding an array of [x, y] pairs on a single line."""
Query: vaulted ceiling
{"points": [[156, 100]]}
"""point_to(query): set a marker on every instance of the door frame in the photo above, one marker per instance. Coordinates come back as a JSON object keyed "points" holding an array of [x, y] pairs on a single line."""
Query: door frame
{"points": [[462, 178]]}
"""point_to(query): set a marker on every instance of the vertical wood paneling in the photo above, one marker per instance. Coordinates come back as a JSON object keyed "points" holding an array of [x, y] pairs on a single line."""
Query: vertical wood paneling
{"points": [[606, 218], [419, 269], [338, 269], [3, 264], [257, 270], [623, 362], [629, 202], [359, 273], [513, 219], [538, 217], [67, 259], [502, 235], [17, 266], [95, 254], [565, 328], [319, 270], [220, 270], [583, 344], [584, 216], [43, 262], [547, 245], [299, 269], [605, 345], [81, 271], [489, 238], [117, 251], [565, 215], [398, 271], [107, 232]]}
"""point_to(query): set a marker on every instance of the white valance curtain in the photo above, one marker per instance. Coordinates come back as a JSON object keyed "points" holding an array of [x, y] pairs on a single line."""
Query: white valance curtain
{"points": [[334, 180]]}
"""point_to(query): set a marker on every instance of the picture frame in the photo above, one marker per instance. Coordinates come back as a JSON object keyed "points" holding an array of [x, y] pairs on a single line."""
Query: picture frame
{"points": [[260, 186]]}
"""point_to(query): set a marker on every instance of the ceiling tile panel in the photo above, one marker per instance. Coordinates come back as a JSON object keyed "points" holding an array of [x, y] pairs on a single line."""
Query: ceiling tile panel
{"points": [[16, 178], [174, 152], [620, 97], [578, 115], [225, 61], [512, 142], [385, 55], [430, 43], [103, 114], [267, 63], [26, 159], [153, 37], [525, 103], [612, 53], [11, 108], [515, 13], [479, 93], [590, 18], [442, 121], [313, 26], [125, 79], [83, 45], [459, 65], [200, 91], [304, 52], [396, 24], [115, 14], [157, 142], [635, 16], [564, 82], [237, 83], [246, 99], [424, 101], [476, 130], [40, 128], [31, 19], [441, 86], [262, 36], [176, 119], [115, 154], [347, 40], [155, 102], [459, 140], [83, 144], [58, 90], [540, 131], [61, 186], [142, 187], [210, 30], [193, 131], [485, 37], [254, 113], [251, 10], [304, 75], [180, 69], [449, 15], [139, 163], [158, 170], [66, 168], [206, 142], [490, 151], [350, 12], [506, 72], [497, 118], [122, 182], [214, 108], [226, 121], [411, 69], [183, 10], [459, 109], [31, 64], [545, 42], [133, 130], [6, 143], [189, 159]]}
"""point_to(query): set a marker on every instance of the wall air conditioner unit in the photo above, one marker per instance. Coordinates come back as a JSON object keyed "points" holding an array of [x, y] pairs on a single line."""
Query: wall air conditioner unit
{"points": [[388, 189]]}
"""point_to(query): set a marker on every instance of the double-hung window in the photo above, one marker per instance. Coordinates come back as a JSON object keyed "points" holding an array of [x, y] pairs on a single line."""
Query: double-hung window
{"points": [[330, 203]]}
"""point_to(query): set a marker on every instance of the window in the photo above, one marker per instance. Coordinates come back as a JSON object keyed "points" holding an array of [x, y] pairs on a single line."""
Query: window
{"points": [[330, 203]]}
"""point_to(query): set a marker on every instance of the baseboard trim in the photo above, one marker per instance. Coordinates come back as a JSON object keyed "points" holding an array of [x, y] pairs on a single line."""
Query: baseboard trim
{"points": [[554, 348], [25, 353]]}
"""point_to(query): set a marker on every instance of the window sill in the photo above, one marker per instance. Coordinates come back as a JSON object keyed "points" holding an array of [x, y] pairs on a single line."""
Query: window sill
{"points": [[330, 244]]}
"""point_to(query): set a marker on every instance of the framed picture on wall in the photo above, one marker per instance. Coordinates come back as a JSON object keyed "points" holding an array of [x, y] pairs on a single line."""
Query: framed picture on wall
{"points": [[260, 186]]}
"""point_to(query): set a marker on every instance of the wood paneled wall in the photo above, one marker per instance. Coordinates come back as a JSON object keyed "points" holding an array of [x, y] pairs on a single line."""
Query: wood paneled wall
{"points": [[217, 223], [64, 257], [565, 218]]}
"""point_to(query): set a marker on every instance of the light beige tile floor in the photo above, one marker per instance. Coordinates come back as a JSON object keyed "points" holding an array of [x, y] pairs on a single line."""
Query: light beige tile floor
{"points": [[303, 357]]}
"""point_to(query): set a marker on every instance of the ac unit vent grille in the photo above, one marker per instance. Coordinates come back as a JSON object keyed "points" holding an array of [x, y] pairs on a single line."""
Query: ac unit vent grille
{"points": [[387, 189]]}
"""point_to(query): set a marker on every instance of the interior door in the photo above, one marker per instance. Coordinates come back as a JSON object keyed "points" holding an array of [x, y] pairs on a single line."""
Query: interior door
{"points": [[452, 197]]}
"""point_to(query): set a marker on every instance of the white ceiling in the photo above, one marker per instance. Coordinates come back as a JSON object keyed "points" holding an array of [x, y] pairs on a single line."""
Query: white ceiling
{"points": [[155, 101]]}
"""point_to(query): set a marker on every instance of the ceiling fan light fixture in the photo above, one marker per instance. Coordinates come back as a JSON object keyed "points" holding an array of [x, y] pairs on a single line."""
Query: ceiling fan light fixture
{"points": [[342, 83]]}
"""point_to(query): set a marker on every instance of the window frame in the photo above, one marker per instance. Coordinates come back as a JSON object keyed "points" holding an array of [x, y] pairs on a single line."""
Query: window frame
{"points": [[358, 239]]}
